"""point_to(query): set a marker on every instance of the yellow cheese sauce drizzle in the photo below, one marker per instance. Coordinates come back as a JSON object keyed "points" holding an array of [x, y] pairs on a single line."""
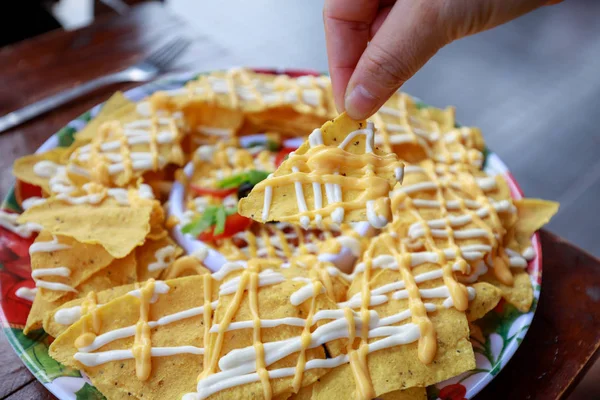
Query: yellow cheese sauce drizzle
{"points": [[323, 162], [100, 172], [88, 333], [207, 318], [427, 341], [253, 270], [458, 292], [211, 361], [306, 332], [142, 344], [358, 358], [500, 260]]}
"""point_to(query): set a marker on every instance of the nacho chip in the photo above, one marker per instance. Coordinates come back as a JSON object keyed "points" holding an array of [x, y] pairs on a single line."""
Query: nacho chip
{"points": [[415, 393], [486, 298], [252, 92], [119, 272], [119, 229], [401, 281], [122, 151], [60, 263], [155, 256], [454, 210], [533, 215], [59, 319], [25, 168], [339, 159], [175, 359], [186, 266], [519, 294], [116, 107], [416, 133], [272, 303], [408, 394]]}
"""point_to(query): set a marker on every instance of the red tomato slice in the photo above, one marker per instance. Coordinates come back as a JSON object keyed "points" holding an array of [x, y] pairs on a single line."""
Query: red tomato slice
{"points": [[233, 224], [282, 154], [219, 193]]}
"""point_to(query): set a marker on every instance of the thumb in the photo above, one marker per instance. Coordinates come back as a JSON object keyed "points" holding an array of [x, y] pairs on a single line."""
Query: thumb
{"points": [[410, 35]]}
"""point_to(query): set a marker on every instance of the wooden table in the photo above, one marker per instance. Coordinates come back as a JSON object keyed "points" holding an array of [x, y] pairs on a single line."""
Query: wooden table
{"points": [[563, 340]]}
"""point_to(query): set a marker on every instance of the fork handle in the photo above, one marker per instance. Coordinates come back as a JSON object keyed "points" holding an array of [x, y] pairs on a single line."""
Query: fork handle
{"points": [[33, 110]]}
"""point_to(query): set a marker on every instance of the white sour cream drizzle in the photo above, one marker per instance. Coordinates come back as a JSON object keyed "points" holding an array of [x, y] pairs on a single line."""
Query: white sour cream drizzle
{"points": [[68, 316], [57, 286], [8, 221], [238, 367], [164, 257], [333, 191], [47, 247], [529, 253], [99, 358], [26, 293], [32, 202]]}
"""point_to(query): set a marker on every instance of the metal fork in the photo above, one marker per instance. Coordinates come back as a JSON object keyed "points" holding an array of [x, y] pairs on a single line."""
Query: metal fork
{"points": [[143, 71]]}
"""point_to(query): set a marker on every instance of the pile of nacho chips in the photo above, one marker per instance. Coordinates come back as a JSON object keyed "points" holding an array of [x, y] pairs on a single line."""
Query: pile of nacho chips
{"points": [[359, 254]]}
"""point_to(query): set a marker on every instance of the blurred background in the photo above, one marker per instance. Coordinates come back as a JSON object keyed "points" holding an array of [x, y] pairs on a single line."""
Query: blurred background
{"points": [[532, 85]]}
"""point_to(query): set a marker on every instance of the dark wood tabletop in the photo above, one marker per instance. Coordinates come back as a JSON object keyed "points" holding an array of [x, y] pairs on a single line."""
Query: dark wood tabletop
{"points": [[564, 337]]}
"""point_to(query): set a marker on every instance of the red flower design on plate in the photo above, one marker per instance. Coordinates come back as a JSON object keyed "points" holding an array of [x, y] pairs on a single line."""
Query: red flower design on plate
{"points": [[15, 272], [24, 190], [456, 391]]}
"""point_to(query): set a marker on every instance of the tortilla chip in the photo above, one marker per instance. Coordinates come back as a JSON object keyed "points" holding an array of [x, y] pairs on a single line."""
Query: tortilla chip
{"points": [[415, 133], [40, 308], [116, 107], [186, 266], [454, 353], [273, 302], [82, 260], [475, 218], [252, 92], [123, 150], [213, 123], [305, 393], [119, 272], [332, 154], [486, 298], [23, 168], [117, 228], [533, 215], [520, 294], [71, 310], [415, 393], [171, 376], [155, 256], [285, 120], [408, 394]]}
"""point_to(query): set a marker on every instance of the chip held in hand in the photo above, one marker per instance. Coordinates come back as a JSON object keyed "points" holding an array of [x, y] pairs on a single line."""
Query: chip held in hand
{"points": [[337, 176]]}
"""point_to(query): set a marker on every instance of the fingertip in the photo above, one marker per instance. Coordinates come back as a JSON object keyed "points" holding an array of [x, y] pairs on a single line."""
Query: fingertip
{"points": [[360, 103]]}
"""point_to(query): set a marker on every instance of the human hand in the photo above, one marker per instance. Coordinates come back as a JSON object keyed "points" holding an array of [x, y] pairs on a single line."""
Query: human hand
{"points": [[402, 35]]}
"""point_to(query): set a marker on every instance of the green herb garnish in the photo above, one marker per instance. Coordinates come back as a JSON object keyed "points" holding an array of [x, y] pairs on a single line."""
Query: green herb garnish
{"points": [[220, 217], [252, 177], [212, 216], [273, 145], [269, 144]]}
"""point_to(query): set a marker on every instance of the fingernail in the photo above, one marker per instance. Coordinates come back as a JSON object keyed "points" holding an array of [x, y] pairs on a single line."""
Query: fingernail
{"points": [[360, 103]]}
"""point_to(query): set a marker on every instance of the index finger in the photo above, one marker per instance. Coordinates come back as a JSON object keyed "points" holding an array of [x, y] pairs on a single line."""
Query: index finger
{"points": [[347, 29]]}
